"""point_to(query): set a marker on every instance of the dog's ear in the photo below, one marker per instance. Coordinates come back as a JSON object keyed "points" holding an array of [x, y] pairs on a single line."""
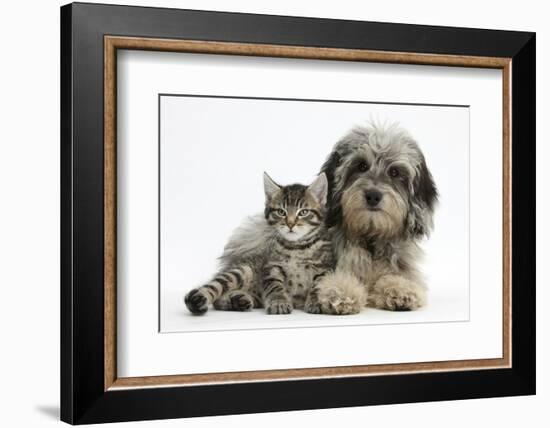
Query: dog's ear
{"points": [[334, 209], [423, 201]]}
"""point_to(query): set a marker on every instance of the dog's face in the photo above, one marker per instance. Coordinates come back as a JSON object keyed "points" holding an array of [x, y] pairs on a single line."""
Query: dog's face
{"points": [[380, 185]]}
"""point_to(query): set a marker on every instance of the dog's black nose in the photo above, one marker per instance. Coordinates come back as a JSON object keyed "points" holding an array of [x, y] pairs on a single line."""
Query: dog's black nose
{"points": [[373, 197]]}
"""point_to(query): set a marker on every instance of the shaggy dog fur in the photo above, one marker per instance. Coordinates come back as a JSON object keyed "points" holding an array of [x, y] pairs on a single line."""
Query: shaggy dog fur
{"points": [[381, 202]]}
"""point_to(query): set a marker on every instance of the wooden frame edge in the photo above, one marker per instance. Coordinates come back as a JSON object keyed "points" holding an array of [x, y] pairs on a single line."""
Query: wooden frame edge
{"points": [[109, 197], [301, 52], [507, 213], [298, 374], [112, 43]]}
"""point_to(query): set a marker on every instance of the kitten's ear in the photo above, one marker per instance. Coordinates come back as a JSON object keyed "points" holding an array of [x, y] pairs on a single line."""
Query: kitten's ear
{"points": [[270, 187], [319, 188]]}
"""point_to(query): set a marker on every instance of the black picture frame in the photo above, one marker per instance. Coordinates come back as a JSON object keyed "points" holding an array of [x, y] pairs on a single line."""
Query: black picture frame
{"points": [[83, 396]]}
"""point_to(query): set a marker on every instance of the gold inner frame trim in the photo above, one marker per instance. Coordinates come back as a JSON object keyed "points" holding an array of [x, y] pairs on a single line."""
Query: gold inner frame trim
{"points": [[113, 43]]}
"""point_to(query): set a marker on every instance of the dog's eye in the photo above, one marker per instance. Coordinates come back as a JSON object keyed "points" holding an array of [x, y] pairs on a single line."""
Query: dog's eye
{"points": [[394, 172], [281, 213], [363, 166]]}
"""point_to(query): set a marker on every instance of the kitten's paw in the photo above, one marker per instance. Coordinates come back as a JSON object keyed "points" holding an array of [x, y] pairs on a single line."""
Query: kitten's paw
{"points": [[313, 306], [196, 301], [235, 301], [242, 302], [279, 307]]}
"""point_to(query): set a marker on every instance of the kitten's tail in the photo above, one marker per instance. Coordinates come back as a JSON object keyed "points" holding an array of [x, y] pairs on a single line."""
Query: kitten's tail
{"points": [[239, 277]]}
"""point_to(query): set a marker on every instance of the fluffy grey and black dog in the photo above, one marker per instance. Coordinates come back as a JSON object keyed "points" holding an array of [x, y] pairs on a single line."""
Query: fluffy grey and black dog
{"points": [[381, 203]]}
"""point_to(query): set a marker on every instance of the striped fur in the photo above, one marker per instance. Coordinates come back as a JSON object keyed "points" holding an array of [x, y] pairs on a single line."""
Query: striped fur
{"points": [[294, 269], [274, 261], [235, 285], [301, 253]]}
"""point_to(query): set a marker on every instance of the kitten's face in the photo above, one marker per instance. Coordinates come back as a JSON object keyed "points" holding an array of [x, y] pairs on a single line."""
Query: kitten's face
{"points": [[295, 210]]}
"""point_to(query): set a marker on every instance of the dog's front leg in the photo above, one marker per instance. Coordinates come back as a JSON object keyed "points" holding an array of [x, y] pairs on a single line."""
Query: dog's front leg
{"points": [[338, 293], [396, 292]]}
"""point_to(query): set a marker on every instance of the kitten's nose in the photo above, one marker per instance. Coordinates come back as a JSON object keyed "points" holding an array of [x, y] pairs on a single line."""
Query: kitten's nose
{"points": [[290, 222]]}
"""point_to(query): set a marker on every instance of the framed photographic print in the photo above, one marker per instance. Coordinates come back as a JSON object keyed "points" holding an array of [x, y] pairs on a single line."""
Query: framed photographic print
{"points": [[265, 213]]}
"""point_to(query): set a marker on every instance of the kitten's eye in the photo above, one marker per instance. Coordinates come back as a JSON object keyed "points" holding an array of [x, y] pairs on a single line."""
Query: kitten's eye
{"points": [[363, 166], [281, 213], [394, 172], [303, 213]]}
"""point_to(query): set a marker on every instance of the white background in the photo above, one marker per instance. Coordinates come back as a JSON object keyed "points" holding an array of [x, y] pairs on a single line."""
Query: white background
{"points": [[29, 173], [142, 351], [213, 152]]}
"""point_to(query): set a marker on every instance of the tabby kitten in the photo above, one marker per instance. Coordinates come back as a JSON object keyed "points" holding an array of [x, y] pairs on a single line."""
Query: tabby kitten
{"points": [[280, 272], [301, 253]]}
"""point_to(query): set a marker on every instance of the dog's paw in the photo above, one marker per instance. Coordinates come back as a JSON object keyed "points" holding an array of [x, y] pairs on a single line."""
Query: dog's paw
{"points": [[398, 299], [398, 294], [336, 302], [341, 294], [343, 306], [196, 301], [279, 307]]}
